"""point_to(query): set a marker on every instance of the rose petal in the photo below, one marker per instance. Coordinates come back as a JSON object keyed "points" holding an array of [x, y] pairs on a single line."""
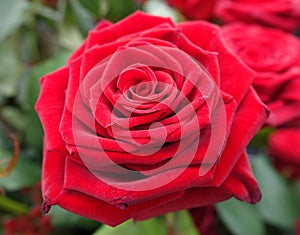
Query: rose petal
{"points": [[246, 121], [55, 84]]}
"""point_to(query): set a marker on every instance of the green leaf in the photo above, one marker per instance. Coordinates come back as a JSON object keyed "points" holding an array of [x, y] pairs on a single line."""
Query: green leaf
{"points": [[240, 218], [93, 6], [10, 69], [149, 227], [260, 140], [25, 174], [117, 10], [295, 192], [69, 36], [14, 117], [183, 223], [277, 205], [83, 17], [11, 13], [12, 206], [47, 12], [61, 218]]}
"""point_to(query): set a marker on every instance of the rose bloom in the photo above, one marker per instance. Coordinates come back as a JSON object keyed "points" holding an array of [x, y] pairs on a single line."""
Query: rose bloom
{"points": [[283, 14], [147, 118], [284, 148], [194, 9], [274, 56]]}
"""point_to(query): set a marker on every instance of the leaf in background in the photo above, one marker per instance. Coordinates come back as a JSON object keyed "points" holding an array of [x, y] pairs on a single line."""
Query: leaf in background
{"points": [[11, 14], [14, 117], [48, 12], [69, 36], [277, 205], [183, 223], [25, 174], [117, 10], [10, 69], [83, 17], [93, 6], [160, 8], [148, 227], [295, 189], [61, 218], [240, 218], [260, 140]]}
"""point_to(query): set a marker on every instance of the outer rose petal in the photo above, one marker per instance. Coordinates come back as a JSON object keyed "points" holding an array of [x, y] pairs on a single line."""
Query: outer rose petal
{"points": [[98, 210], [245, 122], [101, 25], [83, 204], [52, 180], [134, 23], [228, 61], [193, 197], [242, 183], [247, 189], [50, 107]]}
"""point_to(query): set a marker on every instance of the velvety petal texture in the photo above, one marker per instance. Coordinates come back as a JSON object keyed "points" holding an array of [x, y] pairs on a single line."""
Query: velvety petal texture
{"points": [[282, 14], [276, 64], [146, 118]]}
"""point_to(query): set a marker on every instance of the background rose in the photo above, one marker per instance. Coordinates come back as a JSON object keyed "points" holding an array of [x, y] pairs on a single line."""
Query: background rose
{"points": [[69, 183], [194, 9], [274, 13], [277, 67], [284, 148]]}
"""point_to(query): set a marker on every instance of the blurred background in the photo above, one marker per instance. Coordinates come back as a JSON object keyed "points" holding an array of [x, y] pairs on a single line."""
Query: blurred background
{"points": [[36, 37]]}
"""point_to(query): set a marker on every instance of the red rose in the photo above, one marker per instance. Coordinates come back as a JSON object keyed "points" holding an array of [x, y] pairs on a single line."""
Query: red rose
{"points": [[284, 14], [148, 118], [194, 9], [274, 56], [284, 148]]}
